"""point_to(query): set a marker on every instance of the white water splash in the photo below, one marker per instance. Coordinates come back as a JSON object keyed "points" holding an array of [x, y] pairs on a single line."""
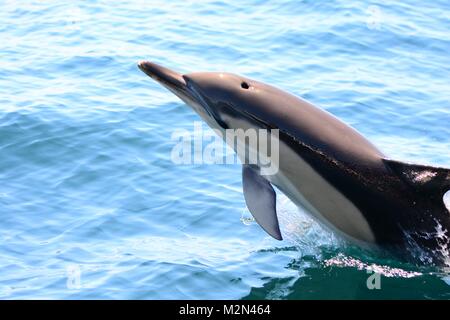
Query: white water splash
{"points": [[344, 261], [426, 256], [300, 229]]}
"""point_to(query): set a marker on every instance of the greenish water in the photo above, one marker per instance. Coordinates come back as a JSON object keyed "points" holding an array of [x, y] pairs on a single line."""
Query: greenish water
{"points": [[91, 204]]}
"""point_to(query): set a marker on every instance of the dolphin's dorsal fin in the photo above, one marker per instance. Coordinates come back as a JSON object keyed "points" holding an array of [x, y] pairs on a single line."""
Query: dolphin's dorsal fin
{"points": [[261, 200], [423, 177]]}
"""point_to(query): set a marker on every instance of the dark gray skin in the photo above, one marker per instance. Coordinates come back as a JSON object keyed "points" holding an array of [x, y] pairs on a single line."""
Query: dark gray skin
{"points": [[402, 203]]}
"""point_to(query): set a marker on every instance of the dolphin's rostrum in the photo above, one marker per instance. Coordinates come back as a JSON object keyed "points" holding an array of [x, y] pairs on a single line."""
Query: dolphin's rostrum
{"points": [[325, 166]]}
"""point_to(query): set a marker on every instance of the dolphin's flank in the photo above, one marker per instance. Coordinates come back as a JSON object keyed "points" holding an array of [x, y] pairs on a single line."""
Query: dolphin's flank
{"points": [[325, 166]]}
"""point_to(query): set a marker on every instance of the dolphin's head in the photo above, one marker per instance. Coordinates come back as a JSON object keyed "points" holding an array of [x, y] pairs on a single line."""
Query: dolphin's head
{"points": [[214, 95]]}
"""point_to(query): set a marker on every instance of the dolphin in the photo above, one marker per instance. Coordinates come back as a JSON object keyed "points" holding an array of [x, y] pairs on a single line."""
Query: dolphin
{"points": [[326, 167]]}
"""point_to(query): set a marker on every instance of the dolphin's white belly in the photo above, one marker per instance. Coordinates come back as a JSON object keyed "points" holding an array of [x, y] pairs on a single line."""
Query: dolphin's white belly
{"points": [[307, 189]]}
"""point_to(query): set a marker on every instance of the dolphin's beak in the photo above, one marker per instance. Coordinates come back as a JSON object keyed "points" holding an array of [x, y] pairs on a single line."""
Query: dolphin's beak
{"points": [[172, 80], [180, 85]]}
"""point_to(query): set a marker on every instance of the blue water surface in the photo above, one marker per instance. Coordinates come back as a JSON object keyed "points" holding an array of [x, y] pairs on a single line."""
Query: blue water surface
{"points": [[91, 204]]}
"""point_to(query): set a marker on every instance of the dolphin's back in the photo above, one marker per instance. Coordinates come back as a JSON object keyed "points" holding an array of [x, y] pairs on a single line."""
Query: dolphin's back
{"points": [[311, 125]]}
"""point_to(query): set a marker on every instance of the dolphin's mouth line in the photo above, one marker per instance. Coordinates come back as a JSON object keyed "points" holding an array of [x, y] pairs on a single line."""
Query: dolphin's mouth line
{"points": [[181, 86], [196, 95], [200, 100]]}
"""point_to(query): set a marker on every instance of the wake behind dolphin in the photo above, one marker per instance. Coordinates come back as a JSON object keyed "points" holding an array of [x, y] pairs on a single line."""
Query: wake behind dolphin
{"points": [[324, 166]]}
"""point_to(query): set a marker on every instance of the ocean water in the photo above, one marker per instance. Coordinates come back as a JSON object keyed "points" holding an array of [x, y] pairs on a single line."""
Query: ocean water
{"points": [[91, 204]]}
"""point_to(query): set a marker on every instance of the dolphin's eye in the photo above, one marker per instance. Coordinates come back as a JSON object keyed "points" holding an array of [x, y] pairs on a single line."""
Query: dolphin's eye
{"points": [[245, 85]]}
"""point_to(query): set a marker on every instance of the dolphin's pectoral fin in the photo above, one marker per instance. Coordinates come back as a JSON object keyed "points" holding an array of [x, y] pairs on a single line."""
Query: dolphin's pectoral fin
{"points": [[261, 200], [429, 179]]}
